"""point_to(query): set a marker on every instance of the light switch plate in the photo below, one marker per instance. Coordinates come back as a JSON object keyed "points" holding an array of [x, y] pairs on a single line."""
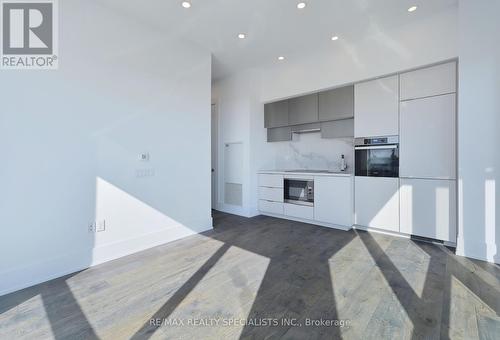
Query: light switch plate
{"points": [[144, 157]]}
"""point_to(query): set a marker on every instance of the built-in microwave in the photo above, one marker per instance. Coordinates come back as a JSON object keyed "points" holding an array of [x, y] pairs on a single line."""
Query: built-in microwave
{"points": [[377, 156], [299, 191]]}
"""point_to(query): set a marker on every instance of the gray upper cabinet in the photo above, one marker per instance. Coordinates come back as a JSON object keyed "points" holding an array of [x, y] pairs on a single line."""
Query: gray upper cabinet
{"points": [[336, 104], [303, 110], [276, 114], [280, 134], [343, 128]]}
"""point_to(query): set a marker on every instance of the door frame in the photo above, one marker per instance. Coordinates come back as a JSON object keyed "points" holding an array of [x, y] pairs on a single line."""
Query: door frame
{"points": [[214, 140]]}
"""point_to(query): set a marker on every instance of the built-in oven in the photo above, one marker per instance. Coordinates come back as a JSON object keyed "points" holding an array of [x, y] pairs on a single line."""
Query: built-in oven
{"points": [[299, 191], [377, 156]]}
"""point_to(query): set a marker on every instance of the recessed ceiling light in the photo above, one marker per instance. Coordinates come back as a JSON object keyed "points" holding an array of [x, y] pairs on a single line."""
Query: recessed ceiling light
{"points": [[335, 38], [412, 9], [242, 36], [186, 4], [301, 5], [281, 58]]}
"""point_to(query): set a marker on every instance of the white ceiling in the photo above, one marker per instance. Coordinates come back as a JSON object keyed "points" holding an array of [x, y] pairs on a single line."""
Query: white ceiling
{"points": [[273, 27]]}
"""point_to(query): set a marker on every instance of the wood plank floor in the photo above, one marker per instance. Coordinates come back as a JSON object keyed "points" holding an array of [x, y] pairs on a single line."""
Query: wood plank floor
{"points": [[266, 278]]}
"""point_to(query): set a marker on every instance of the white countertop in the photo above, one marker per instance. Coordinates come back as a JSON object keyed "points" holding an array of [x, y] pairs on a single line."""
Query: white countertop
{"points": [[307, 173]]}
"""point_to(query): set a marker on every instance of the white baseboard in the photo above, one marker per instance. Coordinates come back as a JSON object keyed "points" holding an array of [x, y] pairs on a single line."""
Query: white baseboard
{"points": [[321, 224], [36, 273], [234, 210], [491, 249]]}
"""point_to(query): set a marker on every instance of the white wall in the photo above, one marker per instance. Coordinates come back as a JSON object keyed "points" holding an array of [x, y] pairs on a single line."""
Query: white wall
{"points": [[70, 140], [479, 126], [241, 97]]}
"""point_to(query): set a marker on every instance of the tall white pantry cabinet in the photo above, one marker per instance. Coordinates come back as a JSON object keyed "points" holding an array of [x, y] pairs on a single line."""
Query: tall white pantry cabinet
{"points": [[376, 199], [427, 129], [420, 107]]}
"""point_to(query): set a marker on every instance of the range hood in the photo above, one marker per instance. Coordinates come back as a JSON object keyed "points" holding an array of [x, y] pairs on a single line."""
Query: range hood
{"points": [[306, 128]]}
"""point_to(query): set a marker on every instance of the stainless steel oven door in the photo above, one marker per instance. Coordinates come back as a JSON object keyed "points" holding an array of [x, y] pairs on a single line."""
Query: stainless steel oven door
{"points": [[377, 160]]}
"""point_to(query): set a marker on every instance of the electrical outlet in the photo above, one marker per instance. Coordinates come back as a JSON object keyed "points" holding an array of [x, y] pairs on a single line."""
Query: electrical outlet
{"points": [[100, 226], [97, 227]]}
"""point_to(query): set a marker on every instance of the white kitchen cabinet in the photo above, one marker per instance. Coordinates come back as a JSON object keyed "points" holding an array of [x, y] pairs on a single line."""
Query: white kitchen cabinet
{"points": [[298, 211], [377, 202], [271, 207], [430, 81], [271, 194], [333, 202], [271, 180], [428, 137], [428, 208], [376, 107]]}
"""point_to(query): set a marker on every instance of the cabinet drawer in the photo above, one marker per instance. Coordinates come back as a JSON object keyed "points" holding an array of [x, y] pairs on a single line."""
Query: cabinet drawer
{"points": [[272, 181], [271, 207], [299, 211], [271, 194], [430, 81]]}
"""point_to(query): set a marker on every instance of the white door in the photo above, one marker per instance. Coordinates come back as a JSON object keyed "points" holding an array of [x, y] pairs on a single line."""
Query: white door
{"points": [[428, 208], [376, 108], [333, 201], [428, 138], [214, 156], [377, 202]]}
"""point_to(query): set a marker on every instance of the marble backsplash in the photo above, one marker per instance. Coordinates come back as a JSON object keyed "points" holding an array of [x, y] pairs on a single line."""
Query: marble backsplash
{"points": [[310, 151]]}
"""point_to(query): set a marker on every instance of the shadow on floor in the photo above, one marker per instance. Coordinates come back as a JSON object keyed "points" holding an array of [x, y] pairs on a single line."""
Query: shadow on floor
{"points": [[66, 318], [298, 282]]}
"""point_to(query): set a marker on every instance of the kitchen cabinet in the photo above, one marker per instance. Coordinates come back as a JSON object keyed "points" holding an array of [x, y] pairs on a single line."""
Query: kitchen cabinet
{"points": [[271, 207], [428, 208], [270, 180], [336, 104], [281, 134], [298, 211], [430, 81], [303, 110], [376, 108], [333, 201], [276, 114], [428, 137], [377, 202], [271, 194], [338, 128]]}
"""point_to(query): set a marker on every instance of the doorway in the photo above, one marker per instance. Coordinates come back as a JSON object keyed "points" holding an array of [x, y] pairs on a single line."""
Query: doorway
{"points": [[215, 139]]}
